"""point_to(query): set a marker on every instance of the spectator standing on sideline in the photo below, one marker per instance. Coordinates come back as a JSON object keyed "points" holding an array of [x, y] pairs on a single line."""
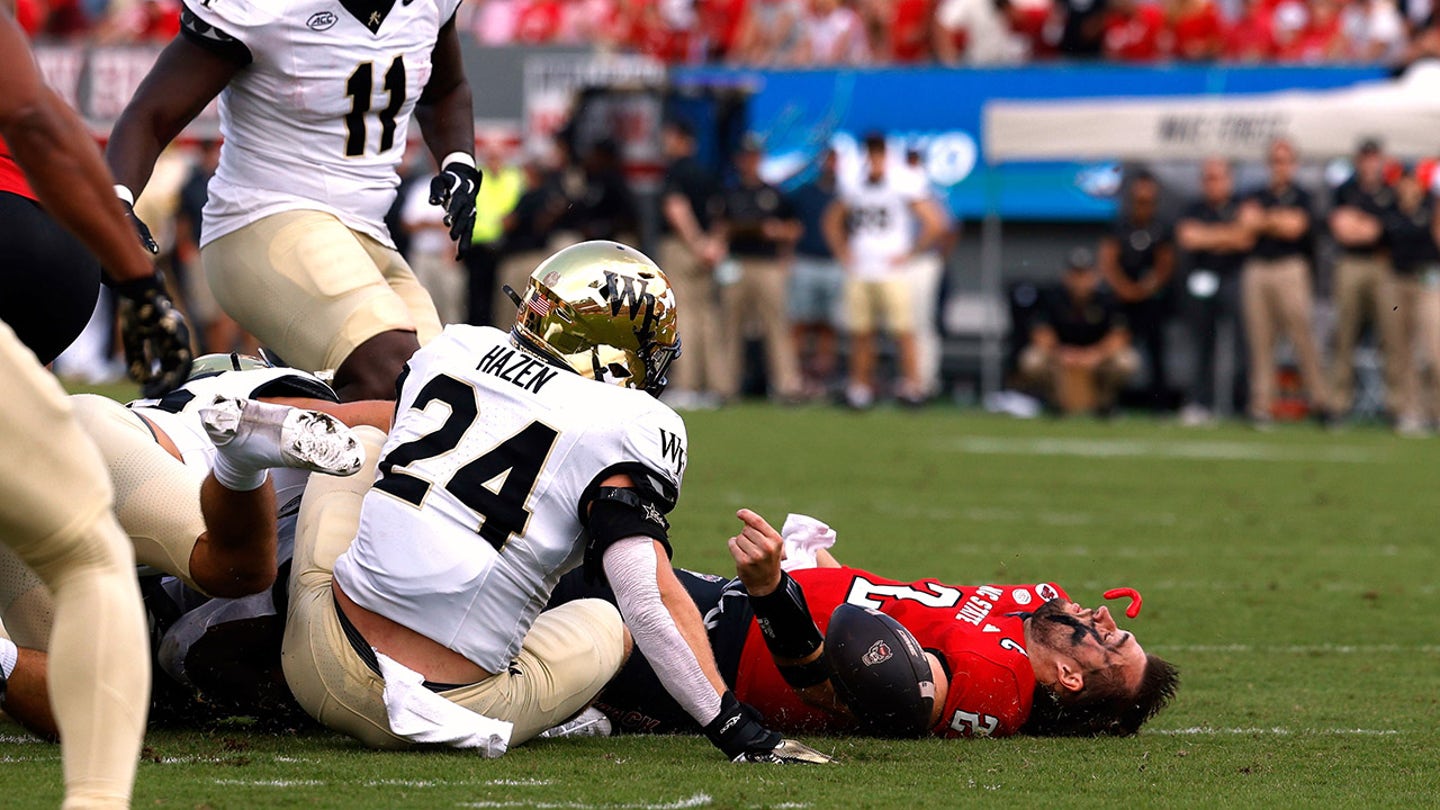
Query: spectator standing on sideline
{"points": [[871, 229], [1412, 229], [1275, 288], [927, 277], [1209, 230], [1137, 261], [1080, 331], [607, 208], [1364, 278], [432, 256], [527, 235], [500, 189], [816, 282], [691, 204], [761, 230]]}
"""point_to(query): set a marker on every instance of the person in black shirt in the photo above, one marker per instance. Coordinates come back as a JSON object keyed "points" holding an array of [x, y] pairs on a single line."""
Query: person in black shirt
{"points": [[690, 251], [1137, 259], [1364, 278], [761, 229], [1079, 329], [1216, 244], [1275, 288], [528, 229], [1412, 229]]}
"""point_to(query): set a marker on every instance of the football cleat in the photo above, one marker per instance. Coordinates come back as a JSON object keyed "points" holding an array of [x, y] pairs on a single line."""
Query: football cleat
{"points": [[606, 311], [788, 752], [590, 723], [261, 435]]}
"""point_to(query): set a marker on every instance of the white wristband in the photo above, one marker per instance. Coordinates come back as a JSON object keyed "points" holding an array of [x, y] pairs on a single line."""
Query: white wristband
{"points": [[124, 194], [457, 157]]}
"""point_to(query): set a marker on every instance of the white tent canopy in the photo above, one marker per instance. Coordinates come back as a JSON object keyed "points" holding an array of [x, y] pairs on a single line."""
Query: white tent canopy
{"points": [[1404, 114]]}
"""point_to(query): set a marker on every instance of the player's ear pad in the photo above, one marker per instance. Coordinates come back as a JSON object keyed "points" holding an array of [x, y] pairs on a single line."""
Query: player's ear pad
{"points": [[880, 672]]}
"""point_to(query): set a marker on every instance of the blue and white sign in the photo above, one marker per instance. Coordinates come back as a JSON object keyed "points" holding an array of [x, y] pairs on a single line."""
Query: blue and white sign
{"points": [[937, 111]]}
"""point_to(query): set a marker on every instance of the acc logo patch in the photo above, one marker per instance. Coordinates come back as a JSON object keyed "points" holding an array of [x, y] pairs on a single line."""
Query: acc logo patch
{"points": [[878, 653], [322, 21], [1021, 596]]}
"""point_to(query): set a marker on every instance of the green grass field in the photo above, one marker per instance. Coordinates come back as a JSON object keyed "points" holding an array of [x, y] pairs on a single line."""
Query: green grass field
{"points": [[1292, 576]]}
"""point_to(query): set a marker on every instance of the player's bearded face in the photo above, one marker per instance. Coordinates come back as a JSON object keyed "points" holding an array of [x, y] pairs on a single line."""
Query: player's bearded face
{"points": [[1088, 636]]}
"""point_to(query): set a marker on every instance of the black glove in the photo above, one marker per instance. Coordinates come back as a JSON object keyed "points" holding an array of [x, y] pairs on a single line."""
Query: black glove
{"points": [[737, 731], [155, 335], [141, 229], [454, 189]]}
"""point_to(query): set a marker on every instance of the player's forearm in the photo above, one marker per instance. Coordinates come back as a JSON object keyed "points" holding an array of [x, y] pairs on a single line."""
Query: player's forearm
{"points": [[445, 110], [64, 167], [666, 625]]}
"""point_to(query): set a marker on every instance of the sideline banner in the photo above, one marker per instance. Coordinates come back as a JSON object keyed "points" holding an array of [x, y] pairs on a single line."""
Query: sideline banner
{"points": [[938, 111]]}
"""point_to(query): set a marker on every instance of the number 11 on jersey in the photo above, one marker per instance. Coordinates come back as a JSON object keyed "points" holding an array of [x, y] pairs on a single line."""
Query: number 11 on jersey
{"points": [[358, 88]]}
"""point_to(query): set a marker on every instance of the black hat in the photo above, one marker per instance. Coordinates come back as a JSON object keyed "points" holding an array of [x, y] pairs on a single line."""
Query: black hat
{"points": [[1369, 146]]}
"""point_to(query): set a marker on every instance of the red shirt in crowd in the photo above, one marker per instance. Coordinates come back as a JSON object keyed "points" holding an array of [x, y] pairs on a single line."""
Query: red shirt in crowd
{"points": [[910, 31], [1197, 32], [1135, 37], [1252, 37], [991, 681]]}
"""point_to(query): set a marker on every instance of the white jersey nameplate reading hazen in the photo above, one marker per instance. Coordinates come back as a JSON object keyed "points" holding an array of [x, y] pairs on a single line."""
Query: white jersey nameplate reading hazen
{"points": [[476, 511], [319, 117]]}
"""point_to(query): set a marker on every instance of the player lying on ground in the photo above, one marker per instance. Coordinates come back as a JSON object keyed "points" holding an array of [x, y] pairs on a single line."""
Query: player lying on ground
{"points": [[515, 457], [1004, 659], [194, 490]]}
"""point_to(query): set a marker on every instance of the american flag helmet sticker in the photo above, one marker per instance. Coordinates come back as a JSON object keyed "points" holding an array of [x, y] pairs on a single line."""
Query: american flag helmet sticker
{"points": [[539, 305]]}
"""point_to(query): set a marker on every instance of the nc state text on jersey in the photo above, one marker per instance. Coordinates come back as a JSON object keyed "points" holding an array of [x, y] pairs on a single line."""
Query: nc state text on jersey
{"points": [[517, 368]]}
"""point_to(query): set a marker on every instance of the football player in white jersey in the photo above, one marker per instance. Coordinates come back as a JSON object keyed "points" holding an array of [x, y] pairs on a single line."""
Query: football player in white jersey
{"points": [[194, 489], [871, 229], [514, 457], [315, 104]]}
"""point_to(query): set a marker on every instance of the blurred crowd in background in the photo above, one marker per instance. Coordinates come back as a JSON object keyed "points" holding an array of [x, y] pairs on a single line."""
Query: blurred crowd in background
{"points": [[833, 289], [883, 32]]}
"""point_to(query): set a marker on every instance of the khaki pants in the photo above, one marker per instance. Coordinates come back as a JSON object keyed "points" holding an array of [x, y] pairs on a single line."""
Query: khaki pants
{"points": [[568, 656], [702, 365], [759, 297], [1419, 315], [1276, 298], [1365, 290], [1043, 370], [157, 498], [444, 279], [926, 273], [313, 290], [889, 301], [515, 270], [55, 516]]}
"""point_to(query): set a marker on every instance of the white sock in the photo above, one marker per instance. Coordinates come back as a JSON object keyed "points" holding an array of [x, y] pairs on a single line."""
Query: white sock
{"points": [[237, 478], [9, 655]]}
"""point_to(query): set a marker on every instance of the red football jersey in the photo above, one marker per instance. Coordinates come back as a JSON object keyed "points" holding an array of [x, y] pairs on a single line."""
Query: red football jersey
{"points": [[11, 178], [991, 682]]}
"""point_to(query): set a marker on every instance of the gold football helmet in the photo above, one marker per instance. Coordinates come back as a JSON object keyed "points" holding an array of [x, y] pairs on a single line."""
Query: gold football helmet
{"points": [[606, 311]]}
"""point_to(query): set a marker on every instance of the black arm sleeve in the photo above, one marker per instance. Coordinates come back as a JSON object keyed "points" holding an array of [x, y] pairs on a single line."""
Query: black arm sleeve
{"points": [[213, 39]]}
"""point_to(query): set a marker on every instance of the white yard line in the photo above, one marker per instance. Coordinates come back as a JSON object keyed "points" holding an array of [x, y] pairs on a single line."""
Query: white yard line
{"points": [[1206, 731], [1189, 450], [698, 800], [1302, 649]]}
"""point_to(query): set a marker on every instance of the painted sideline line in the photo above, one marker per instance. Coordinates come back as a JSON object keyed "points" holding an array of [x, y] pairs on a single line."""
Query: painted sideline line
{"points": [[1185, 450], [1302, 649], [1278, 731], [698, 800]]}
